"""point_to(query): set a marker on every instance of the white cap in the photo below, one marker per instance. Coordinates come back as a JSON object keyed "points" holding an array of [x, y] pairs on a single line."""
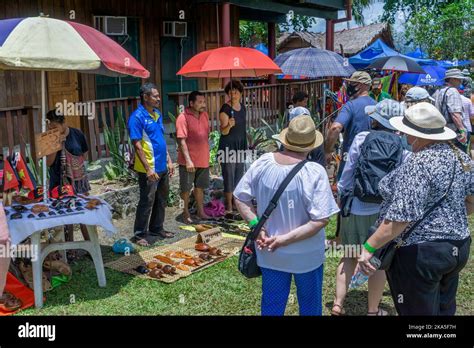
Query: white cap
{"points": [[299, 110], [417, 94]]}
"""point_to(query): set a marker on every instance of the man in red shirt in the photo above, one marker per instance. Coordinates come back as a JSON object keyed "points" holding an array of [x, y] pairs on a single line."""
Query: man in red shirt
{"points": [[192, 131]]}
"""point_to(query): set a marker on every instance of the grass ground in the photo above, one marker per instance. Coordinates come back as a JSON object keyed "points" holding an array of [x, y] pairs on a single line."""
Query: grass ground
{"points": [[218, 290]]}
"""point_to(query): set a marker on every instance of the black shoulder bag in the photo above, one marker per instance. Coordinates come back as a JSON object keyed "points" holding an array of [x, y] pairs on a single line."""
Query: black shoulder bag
{"points": [[387, 252], [248, 257]]}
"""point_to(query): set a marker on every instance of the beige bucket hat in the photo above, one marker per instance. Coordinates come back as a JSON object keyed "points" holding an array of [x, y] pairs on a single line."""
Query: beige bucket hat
{"points": [[301, 135]]}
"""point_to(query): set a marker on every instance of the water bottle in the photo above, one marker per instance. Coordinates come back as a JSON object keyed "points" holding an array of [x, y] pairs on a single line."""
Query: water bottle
{"points": [[360, 278]]}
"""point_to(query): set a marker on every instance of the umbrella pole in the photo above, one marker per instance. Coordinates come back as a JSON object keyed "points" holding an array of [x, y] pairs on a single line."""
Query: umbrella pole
{"points": [[43, 129]]}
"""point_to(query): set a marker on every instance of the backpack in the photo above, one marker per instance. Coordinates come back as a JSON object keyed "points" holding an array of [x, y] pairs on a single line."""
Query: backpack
{"points": [[380, 153]]}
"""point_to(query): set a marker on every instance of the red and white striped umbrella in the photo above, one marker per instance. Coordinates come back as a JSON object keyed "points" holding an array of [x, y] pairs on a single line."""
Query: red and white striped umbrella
{"points": [[48, 44], [43, 43]]}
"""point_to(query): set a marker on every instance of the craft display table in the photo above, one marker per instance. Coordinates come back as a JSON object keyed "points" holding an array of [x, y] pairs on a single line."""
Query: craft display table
{"points": [[21, 229]]}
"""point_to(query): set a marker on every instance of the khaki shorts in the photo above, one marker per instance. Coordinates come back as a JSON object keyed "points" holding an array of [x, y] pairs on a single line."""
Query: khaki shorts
{"points": [[355, 228], [199, 178]]}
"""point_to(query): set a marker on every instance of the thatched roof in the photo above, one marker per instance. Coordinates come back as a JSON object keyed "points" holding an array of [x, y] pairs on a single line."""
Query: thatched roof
{"points": [[352, 40]]}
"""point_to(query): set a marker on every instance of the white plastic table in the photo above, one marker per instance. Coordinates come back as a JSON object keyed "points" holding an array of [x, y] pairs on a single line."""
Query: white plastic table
{"points": [[24, 228]]}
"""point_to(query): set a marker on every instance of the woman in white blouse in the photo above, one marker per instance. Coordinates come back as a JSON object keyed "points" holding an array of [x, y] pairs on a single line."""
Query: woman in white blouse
{"points": [[292, 241]]}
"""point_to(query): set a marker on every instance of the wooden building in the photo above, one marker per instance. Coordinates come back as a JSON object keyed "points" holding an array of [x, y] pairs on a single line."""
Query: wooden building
{"points": [[347, 42], [154, 34]]}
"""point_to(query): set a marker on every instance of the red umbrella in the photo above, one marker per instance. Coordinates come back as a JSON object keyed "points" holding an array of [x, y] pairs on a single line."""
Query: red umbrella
{"points": [[229, 62]]}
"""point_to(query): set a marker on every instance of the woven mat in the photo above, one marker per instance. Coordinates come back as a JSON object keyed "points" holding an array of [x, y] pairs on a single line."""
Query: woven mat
{"points": [[230, 246]]}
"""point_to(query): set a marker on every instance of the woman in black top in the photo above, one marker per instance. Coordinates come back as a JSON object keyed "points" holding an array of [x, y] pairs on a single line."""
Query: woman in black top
{"points": [[66, 167], [233, 140]]}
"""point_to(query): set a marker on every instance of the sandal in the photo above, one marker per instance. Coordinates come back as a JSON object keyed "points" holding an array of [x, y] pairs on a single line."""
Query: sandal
{"points": [[185, 220], [141, 241], [162, 234], [379, 313], [9, 303], [339, 313]]}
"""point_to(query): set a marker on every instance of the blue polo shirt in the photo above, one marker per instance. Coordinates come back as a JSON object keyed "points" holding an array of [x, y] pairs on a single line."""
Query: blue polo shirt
{"points": [[149, 130]]}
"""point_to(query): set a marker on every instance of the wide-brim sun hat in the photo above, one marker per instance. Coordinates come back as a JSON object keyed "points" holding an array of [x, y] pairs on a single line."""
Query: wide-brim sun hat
{"points": [[423, 120], [454, 74], [300, 135]]}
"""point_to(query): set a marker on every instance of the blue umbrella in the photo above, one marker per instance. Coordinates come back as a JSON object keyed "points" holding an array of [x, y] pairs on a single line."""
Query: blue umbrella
{"points": [[313, 63], [262, 48], [434, 76]]}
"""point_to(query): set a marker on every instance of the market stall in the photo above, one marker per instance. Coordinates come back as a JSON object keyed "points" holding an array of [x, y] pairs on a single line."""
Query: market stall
{"points": [[29, 220]]}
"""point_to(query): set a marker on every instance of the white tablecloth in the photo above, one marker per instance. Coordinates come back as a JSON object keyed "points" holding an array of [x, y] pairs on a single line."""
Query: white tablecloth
{"points": [[23, 228]]}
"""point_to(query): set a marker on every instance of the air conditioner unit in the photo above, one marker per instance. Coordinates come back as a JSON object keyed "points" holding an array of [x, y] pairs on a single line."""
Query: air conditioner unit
{"points": [[175, 29], [115, 25]]}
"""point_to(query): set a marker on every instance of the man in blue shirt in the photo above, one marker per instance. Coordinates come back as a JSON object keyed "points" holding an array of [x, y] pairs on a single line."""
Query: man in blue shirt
{"points": [[352, 118], [153, 165]]}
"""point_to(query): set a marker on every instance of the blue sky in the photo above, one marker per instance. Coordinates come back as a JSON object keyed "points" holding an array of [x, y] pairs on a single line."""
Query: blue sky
{"points": [[371, 15]]}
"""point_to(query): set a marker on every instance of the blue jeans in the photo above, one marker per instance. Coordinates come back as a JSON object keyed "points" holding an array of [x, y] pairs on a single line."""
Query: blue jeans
{"points": [[276, 288]]}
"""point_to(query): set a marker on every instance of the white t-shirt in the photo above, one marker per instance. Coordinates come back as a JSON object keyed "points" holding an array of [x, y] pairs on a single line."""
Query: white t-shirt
{"points": [[307, 197]]}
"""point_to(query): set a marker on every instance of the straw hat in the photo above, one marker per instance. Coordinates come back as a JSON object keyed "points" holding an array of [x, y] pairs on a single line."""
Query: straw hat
{"points": [[423, 120], [301, 135]]}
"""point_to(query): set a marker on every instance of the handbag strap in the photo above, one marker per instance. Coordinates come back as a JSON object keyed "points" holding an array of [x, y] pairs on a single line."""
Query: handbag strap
{"points": [[274, 201], [444, 106], [429, 211]]}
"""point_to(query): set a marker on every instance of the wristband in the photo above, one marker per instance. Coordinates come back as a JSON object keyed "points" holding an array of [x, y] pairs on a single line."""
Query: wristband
{"points": [[253, 222], [369, 248]]}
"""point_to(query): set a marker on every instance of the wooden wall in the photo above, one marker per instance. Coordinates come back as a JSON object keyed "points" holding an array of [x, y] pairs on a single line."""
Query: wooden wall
{"points": [[23, 88]]}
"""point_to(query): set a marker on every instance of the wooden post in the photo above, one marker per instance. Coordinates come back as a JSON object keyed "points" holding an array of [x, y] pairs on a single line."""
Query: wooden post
{"points": [[329, 34], [32, 115], [272, 47], [225, 30]]}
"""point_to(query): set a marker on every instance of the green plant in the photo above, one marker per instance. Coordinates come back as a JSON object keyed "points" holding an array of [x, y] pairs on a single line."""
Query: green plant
{"points": [[256, 138], [173, 196], [120, 148], [445, 33], [214, 138], [94, 165], [279, 125], [173, 120]]}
